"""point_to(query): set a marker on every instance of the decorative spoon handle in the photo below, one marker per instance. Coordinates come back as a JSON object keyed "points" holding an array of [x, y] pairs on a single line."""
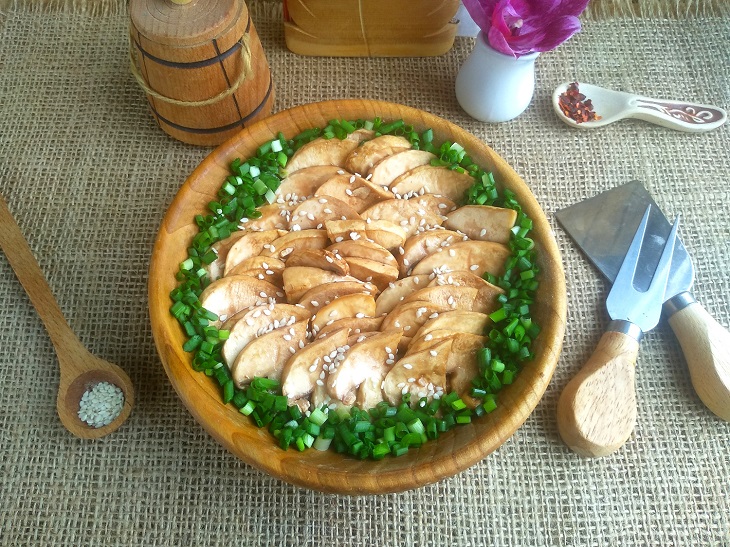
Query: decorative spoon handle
{"points": [[690, 117]]}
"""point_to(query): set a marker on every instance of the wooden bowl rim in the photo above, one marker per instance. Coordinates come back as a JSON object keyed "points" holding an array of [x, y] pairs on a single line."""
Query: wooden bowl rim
{"points": [[454, 451]]}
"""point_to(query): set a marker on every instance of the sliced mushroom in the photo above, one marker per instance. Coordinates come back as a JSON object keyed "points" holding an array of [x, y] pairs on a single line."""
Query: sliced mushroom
{"points": [[456, 320], [362, 248], [304, 370], [304, 183], [250, 244], [409, 316], [352, 305], [259, 321], [483, 222], [266, 355], [415, 217], [463, 278], [457, 298], [356, 325], [274, 216], [463, 367], [383, 232], [321, 152], [423, 244], [397, 292], [228, 295], [377, 273], [285, 245], [216, 268], [354, 190], [319, 258], [318, 297], [422, 374], [433, 180], [315, 211], [300, 279], [364, 157], [388, 169], [478, 257], [363, 360]]}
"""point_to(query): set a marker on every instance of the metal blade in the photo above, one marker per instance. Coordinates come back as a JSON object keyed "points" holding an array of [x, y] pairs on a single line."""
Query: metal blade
{"points": [[604, 225], [625, 301]]}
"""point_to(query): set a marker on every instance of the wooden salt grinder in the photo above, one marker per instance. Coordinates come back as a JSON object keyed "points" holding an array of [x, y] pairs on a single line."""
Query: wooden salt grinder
{"points": [[201, 65]]}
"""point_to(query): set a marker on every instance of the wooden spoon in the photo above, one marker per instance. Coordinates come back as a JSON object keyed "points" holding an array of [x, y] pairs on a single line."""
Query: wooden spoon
{"points": [[80, 370]]}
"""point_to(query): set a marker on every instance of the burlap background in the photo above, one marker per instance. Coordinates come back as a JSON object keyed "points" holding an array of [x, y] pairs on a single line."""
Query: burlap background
{"points": [[89, 176]]}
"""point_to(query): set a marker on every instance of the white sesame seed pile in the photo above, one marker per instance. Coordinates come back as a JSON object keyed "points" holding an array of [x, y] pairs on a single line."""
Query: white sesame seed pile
{"points": [[101, 404]]}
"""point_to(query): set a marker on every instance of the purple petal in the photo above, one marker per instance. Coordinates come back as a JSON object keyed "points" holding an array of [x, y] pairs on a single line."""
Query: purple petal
{"points": [[499, 43], [547, 37], [481, 11]]}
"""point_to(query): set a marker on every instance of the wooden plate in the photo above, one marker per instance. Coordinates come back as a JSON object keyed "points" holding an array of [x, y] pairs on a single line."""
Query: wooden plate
{"points": [[328, 471]]}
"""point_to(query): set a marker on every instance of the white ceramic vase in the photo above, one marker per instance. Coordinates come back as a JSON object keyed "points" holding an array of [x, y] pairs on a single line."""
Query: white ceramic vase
{"points": [[494, 87]]}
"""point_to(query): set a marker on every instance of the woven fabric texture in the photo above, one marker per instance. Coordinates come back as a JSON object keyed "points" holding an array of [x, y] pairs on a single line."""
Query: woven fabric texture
{"points": [[89, 175]]}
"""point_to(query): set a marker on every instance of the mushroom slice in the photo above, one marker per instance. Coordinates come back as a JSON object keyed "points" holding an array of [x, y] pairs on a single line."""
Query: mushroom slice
{"points": [[362, 159], [362, 248], [304, 183], [472, 322], [304, 369], [462, 278], [228, 295], [317, 297], [288, 243], [266, 355], [414, 216], [483, 222], [221, 248], [321, 151], [429, 179], [379, 274], [250, 244], [462, 342], [463, 367], [409, 316], [457, 298], [422, 374], [264, 274], [313, 212], [356, 305], [363, 360], [397, 292], [390, 168], [478, 257], [265, 262], [357, 325], [274, 216], [258, 321], [318, 258], [421, 245], [383, 232], [354, 190], [300, 279]]}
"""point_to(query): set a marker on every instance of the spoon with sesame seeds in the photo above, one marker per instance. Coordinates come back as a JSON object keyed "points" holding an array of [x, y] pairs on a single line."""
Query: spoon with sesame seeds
{"points": [[95, 397]]}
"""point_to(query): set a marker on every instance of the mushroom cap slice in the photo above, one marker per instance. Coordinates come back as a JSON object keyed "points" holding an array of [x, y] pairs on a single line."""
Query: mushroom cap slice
{"points": [[463, 278], [313, 212], [478, 257], [354, 190], [372, 271], [356, 325], [257, 321], [250, 244], [363, 360], [383, 232], [473, 322], [289, 242], [362, 159], [412, 214], [216, 268], [388, 169], [429, 179], [422, 374], [483, 222], [317, 297], [462, 371], [409, 316], [356, 305], [398, 291], [266, 355], [273, 276], [274, 216], [423, 244], [362, 248], [300, 279], [318, 258], [303, 369], [321, 151], [228, 295], [462, 343], [304, 183], [457, 298]]}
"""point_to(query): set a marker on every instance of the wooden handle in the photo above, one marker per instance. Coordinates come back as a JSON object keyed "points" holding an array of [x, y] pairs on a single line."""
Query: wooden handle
{"points": [[31, 277], [706, 346], [597, 409]]}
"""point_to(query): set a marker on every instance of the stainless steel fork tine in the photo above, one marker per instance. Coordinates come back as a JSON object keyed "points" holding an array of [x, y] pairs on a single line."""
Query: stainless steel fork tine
{"points": [[658, 285], [625, 275]]}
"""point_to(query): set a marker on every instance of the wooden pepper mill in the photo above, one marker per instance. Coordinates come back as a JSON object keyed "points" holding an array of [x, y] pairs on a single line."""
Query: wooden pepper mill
{"points": [[201, 65]]}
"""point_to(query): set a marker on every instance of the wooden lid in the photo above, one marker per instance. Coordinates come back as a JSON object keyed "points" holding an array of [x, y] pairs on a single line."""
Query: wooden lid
{"points": [[196, 22]]}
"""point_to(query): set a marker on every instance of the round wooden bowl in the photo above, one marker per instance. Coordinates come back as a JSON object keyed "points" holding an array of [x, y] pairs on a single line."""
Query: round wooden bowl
{"points": [[328, 471]]}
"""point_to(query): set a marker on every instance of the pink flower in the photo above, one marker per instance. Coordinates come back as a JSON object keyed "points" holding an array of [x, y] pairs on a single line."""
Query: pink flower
{"points": [[521, 27]]}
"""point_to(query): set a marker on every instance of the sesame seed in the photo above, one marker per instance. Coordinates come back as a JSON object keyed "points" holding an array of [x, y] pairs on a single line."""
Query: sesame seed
{"points": [[408, 366], [474, 267], [433, 353]]}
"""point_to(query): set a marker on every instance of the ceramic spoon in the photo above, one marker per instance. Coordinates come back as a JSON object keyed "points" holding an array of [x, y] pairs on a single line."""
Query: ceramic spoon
{"points": [[80, 370], [616, 105]]}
